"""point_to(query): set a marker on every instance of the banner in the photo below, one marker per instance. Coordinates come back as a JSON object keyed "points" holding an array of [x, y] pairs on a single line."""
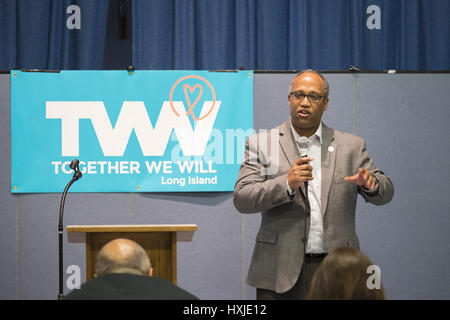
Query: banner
{"points": [[141, 131]]}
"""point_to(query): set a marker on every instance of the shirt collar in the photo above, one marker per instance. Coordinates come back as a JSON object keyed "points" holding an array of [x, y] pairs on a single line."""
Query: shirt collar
{"points": [[316, 136]]}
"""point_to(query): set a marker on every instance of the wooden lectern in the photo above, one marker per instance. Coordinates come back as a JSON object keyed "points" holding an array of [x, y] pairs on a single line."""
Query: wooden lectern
{"points": [[160, 242]]}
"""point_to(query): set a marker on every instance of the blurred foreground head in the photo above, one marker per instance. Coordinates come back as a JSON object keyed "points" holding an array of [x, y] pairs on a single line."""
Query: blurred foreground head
{"points": [[343, 275]]}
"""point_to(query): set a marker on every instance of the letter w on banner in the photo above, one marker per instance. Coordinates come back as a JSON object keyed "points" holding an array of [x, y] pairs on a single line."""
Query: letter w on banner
{"points": [[146, 131]]}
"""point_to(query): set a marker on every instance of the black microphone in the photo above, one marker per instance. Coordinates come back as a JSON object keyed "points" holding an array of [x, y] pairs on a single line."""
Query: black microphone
{"points": [[77, 175], [74, 164], [303, 145]]}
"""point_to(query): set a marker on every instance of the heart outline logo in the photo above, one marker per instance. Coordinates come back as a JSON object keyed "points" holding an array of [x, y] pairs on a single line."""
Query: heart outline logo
{"points": [[192, 89], [186, 94]]}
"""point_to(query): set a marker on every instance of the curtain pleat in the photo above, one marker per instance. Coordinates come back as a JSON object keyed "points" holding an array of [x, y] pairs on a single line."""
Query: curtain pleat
{"points": [[291, 34], [35, 34]]}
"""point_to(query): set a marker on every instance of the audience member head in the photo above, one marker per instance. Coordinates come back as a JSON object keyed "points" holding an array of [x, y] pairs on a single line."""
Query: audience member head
{"points": [[122, 256], [343, 275]]}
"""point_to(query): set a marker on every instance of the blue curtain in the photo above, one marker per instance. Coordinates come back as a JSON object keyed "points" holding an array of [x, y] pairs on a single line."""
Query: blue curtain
{"points": [[52, 34], [291, 34]]}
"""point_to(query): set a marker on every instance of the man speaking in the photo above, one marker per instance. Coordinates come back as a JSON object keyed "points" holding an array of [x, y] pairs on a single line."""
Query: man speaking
{"points": [[308, 204]]}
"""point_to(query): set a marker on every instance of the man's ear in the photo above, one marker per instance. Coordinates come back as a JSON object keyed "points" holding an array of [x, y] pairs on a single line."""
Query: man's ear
{"points": [[150, 272], [325, 106]]}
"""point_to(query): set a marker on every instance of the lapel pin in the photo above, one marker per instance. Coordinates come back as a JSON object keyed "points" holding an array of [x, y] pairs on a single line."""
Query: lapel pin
{"points": [[331, 149]]}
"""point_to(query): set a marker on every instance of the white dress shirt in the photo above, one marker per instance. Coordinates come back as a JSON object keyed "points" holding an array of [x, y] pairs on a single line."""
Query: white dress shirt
{"points": [[316, 243]]}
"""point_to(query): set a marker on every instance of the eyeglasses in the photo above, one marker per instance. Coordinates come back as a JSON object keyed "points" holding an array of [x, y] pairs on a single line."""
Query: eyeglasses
{"points": [[311, 97]]}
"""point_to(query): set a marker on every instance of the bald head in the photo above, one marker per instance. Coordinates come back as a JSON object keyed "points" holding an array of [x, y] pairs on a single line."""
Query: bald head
{"points": [[122, 256]]}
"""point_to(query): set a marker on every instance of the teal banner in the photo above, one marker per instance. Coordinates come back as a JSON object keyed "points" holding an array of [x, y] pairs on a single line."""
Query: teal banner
{"points": [[141, 131]]}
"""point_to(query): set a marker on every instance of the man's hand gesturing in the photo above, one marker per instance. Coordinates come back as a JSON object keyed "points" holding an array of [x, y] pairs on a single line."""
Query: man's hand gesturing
{"points": [[363, 178]]}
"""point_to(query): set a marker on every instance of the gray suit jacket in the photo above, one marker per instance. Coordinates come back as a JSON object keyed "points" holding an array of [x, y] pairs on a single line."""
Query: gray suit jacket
{"points": [[280, 243]]}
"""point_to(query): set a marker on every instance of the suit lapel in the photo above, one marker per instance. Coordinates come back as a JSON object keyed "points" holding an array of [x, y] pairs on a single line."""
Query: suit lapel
{"points": [[289, 147], [328, 163]]}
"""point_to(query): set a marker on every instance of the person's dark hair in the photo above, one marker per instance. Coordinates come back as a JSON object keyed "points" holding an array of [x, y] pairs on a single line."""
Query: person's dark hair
{"points": [[326, 86], [343, 275], [137, 260]]}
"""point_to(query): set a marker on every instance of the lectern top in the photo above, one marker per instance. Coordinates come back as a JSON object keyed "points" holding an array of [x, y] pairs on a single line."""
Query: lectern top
{"points": [[133, 228]]}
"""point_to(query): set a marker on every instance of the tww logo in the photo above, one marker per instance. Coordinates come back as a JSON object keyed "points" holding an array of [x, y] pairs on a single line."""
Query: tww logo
{"points": [[133, 116]]}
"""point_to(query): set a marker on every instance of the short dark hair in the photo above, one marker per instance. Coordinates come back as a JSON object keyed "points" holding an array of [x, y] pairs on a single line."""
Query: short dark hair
{"points": [[325, 82]]}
